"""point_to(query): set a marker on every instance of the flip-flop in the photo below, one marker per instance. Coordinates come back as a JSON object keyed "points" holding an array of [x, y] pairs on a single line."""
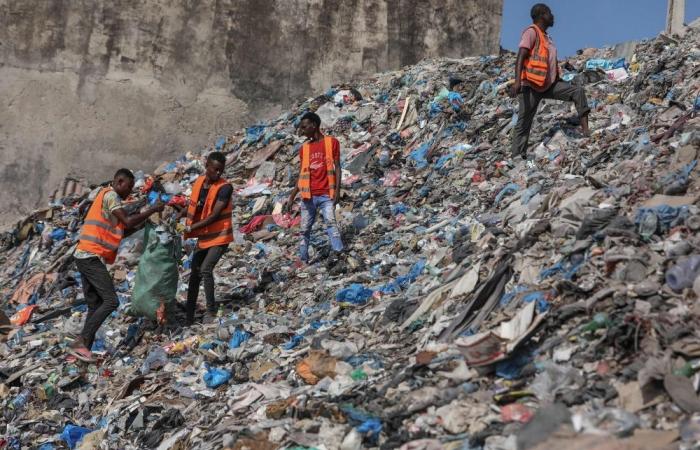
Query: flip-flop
{"points": [[82, 354]]}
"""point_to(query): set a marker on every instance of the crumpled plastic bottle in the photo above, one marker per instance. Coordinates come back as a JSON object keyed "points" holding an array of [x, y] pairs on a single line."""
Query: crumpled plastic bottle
{"points": [[683, 274]]}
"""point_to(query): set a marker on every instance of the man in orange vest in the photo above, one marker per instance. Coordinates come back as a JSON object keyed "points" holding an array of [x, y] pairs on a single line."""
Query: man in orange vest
{"points": [[104, 227], [319, 183], [537, 78], [208, 220]]}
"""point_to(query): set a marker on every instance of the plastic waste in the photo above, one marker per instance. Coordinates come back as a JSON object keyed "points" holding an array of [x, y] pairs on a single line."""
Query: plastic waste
{"points": [[606, 421], [72, 435], [238, 338], [355, 294], [684, 273], [21, 400], [156, 359], [554, 379], [215, 377]]}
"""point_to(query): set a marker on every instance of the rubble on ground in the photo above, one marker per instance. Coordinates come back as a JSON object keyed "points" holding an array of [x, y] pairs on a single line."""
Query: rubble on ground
{"points": [[483, 302]]}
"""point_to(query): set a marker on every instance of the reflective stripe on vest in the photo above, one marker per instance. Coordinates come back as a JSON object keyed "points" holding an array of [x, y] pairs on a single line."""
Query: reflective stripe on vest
{"points": [[536, 65], [219, 232], [304, 183], [98, 236]]}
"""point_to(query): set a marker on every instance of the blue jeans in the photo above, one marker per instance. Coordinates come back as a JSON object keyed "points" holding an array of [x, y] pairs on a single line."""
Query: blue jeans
{"points": [[308, 217]]}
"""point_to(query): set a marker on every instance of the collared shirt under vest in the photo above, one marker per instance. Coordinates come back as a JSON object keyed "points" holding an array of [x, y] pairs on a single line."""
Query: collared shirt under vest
{"points": [[219, 232]]}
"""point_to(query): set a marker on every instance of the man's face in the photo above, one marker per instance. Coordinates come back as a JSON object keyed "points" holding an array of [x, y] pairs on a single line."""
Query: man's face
{"points": [[307, 128], [123, 186], [213, 170], [549, 18]]}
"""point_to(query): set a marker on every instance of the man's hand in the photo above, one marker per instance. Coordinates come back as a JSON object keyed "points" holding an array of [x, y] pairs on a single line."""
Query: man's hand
{"points": [[158, 206], [515, 88]]}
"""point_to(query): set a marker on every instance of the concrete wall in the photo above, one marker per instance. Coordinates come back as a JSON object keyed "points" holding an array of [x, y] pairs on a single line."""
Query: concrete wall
{"points": [[88, 86]]}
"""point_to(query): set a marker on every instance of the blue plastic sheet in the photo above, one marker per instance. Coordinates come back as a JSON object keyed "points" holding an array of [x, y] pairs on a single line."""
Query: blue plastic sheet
{"points": [[605, 64], [220, 143], [567, 267], [403, 281], [254, 133], [58, 234], [681, 175], [355, 294], [418, 156], [398, 208], [72, 434], [365, 423], [374, 360], [238, 338], [293, 342], [371, 428], [508, 296], [511, 368], [215, 377], [667, 216], [455, 101], [542, 305], [508, 189]]}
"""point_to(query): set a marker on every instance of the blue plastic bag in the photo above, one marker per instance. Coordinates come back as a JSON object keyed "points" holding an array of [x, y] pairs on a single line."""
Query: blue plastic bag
{"points": [[220, 143], [293, 342], [72, 434], [254, 133], [356, 294], [216, 377], [509, 188], [371, 428], [238, 338], [403, 281], [58, 234], [419, 155]]}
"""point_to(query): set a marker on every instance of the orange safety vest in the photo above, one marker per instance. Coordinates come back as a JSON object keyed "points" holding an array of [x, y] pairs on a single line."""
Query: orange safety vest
{"points": [[98, 236], [219, 232], [305, 175], [536, 65]]}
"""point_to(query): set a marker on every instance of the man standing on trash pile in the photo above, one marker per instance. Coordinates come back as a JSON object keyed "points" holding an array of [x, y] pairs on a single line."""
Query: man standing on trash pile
{"points": [[105, 225], [319, 183], [208, 220], [537, 78]]}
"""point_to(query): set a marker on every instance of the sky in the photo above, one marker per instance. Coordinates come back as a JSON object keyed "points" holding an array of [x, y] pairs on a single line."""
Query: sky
{"points": [[592, 23]]}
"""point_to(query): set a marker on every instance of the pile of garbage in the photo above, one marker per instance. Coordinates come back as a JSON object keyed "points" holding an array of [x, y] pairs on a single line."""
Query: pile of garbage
{"points": [[483, 302]]}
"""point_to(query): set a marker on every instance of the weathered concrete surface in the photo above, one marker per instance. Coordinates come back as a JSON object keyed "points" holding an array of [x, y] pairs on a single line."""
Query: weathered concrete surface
{"points": [[88, 86]]}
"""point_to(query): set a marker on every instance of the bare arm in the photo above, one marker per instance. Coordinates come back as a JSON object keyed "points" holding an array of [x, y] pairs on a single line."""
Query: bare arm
{"points": [[338, 179], [135, 220], [213, 217], [519, 63]]}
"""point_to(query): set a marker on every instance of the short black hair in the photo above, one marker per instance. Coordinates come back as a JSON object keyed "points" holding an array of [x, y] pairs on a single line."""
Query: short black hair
{"points": [[539, 10], [124, 173], [217, 157], [313, 117]]}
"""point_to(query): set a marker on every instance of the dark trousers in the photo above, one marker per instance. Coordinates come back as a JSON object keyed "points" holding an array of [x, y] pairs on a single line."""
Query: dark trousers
{"points": [[529, 99], [100, 296], [203, 262]]}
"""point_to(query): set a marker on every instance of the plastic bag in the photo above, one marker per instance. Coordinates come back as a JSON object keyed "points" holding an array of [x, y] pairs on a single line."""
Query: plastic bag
{"points": [[238, 338], [554, 379], [356, 294], [23, 315], [72, 434], [156, 279], [156, 359], [216, 377]]}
